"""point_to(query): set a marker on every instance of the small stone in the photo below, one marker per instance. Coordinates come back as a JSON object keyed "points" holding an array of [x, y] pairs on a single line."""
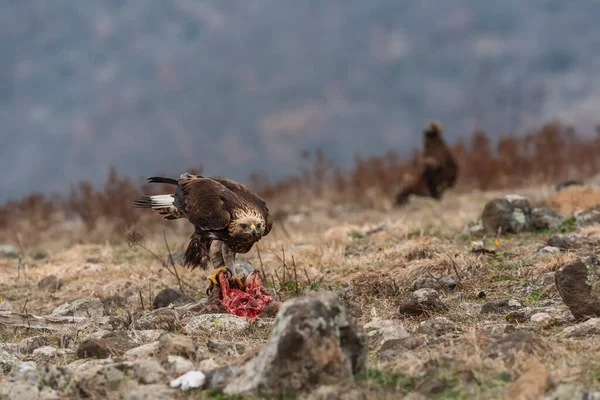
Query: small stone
{"points": [[501, 306], [92, 308], [430, 282], [40, 254], [549, 250], [422, 301], [242, 269], [217, 323], [9, 251], [171, 296], [566, 241], [511, 214], [189, 380], [567, 183], [545, 218], [7, 361], [145, 351], [113, 344], [230, 349], [176, 345], [540, 317], [565, 391], [207, 365], [27, 346], [148, 371], [588, 217], [150, 392], [45, 353], [25, 372], [437, 326], [179, 365], [160, 319], [50, 283]]}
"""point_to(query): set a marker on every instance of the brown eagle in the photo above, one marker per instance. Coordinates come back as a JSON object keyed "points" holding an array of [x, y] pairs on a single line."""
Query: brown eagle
{"points": [[438, 169], [228, 218]]}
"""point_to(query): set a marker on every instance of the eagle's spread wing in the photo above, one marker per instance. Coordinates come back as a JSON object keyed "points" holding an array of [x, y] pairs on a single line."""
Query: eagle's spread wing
{"points": [[249, 197], [204, 202]]}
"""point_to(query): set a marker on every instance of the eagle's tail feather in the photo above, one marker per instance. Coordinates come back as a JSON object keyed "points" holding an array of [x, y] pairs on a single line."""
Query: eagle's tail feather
{"points": [[160, 179], [163, 203]]}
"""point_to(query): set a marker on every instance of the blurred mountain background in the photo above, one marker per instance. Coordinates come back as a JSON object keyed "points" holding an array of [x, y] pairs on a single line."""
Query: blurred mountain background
{"points": [[154, 86]]}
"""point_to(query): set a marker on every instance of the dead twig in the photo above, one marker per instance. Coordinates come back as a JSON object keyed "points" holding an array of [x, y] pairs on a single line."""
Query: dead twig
{"points": [[173, 263]]}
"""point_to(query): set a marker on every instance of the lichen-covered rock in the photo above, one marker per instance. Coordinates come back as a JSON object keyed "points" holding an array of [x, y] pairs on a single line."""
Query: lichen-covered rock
{"points": [[92, 308], [145, 351], [545, 218], [578, 284], [9, 251], [589, 327], [588, 217], [7, 361], [28, 345], [178, 365], [430, 282], [217, 323], [422, 301], [437, 326], [161, 319], [566, 241], [511, 213], [314, 342]]}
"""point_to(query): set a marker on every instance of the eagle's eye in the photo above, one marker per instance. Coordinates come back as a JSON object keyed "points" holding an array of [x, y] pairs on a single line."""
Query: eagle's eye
{"points": [[244, 226]]}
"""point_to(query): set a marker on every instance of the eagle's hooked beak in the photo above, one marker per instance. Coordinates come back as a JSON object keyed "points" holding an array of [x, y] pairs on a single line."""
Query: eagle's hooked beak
{"points": [[253, 230]]}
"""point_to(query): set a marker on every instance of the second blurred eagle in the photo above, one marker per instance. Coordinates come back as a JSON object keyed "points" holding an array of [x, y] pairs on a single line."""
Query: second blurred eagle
{"points": [[228, 218]]}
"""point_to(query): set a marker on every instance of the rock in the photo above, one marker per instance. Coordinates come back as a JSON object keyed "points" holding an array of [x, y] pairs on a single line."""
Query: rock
{"points": [[98, 380], [145, 351], [430, 282], [498, 329], [578, 284], [56, 378], [501, 306], [314, 342], [228, 348], [50, 283], [512, 214], [565, 241], [45, 353], [150, 392], [7, 361], [189, 380], [523, 314], [27, 346], [517, 341], [40, 254], [567, 183], [92, 308], [242, 269], [9, 251], [112, 344], [545, 218], [541, 317], [19, 391], [161, 319], [217, 322], [588, 217], [437, 326], [533, 382], [148, 371], [566, 391], [589, 327], [178, 365], [549, 250], [176, 345], [422, 301], [207, 365], [114, 304], [171, 296]]}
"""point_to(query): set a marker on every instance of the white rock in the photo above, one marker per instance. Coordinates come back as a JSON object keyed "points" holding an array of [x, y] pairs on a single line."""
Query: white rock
{"points": [[540, 317], [142, 352], [217, 322], [207, 365], [189, 380]]}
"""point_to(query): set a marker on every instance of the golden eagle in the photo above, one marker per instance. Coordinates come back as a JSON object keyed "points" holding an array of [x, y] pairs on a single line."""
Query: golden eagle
{"points": [[438, 169], [228, 218]]}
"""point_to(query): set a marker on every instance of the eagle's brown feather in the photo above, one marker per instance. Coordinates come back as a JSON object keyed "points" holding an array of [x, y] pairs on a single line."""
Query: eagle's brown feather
{"points": [[220, 210]]}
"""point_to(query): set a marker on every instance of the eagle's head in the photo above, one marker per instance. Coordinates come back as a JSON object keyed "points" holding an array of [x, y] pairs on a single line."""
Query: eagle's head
{"points": [[433, 129], [247, 228]]}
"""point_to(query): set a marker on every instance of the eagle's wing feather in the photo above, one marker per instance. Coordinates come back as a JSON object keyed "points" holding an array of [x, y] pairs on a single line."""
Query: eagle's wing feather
{"points": [[205, 203], [249, 197]]}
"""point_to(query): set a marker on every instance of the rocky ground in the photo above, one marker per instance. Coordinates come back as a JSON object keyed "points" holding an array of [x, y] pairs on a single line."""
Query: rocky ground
{"points": [[481, 295]]}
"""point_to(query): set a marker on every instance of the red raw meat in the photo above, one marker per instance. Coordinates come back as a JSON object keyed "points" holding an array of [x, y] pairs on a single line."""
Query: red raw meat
{"points": [[248, 303]]}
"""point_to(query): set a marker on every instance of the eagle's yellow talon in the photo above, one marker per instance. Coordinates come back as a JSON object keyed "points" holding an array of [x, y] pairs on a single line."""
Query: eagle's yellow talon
{"points": [[238, 281], [213, 279]]}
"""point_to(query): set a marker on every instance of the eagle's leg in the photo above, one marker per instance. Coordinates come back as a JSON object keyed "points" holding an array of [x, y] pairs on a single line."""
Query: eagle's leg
{"points": [[213, 279], [222, 260], [229, 259]]}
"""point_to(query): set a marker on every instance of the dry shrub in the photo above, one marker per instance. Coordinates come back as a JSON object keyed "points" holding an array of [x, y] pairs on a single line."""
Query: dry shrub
{"points": [[550, 154]]}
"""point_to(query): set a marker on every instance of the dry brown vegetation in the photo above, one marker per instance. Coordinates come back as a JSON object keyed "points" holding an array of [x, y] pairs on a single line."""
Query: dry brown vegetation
{"points": [[349, 241]]}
